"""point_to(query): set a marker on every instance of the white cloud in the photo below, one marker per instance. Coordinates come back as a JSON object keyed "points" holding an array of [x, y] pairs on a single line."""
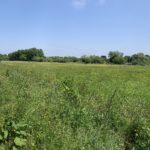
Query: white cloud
{"points": [[79, 3]]}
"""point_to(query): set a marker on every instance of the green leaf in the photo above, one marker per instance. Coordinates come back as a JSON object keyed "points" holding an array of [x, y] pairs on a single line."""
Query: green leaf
{"points": [[5, 134], [2, 147], [14, 148], [21, 125], [23, 133], [1, 138], [14, 125], [20, 142]]}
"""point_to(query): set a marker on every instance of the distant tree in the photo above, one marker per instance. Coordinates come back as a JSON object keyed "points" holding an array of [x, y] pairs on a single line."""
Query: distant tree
{"points": [[62, 59], [23, 57], [104, 58], [127, 59], [26, 55], [93, 59], [148, 56], [57, 59], [85, 59], [38, 59], [140, 59], [71, 59], [116, 57], [3, 57], [48, 59], [96, 59]]}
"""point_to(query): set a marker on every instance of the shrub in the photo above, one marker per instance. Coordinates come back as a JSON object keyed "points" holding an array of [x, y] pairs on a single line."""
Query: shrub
{"points": [[137, 136]]}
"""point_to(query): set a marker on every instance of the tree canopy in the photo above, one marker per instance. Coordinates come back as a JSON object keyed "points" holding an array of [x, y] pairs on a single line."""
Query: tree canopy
{"points": [[114, 57], [27, 55], [3, 57]]}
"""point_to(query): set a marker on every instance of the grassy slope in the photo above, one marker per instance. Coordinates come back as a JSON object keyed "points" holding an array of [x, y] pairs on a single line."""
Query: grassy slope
{"points": [[75, 106]]}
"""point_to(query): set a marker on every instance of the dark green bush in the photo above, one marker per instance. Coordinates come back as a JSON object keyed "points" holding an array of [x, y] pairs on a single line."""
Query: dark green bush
{"points": [[137, 136]]}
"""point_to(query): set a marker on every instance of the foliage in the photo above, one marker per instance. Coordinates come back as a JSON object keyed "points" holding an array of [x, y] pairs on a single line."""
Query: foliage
{"points": [[3, 57], [62, 59], [138, 136], [31, 54], [116, 57], [74, 106], [93, 59], [140, 59], [12, 135]]}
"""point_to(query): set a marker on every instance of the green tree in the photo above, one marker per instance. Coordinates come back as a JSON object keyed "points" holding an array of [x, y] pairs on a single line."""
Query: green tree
{"points": [[127, 59], [85, 59], [26, 55], [116, 57], [3, 57], [140, 59]]}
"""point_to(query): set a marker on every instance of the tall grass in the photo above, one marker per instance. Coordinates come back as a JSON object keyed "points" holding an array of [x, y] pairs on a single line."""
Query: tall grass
{"points": [[74, 106]]}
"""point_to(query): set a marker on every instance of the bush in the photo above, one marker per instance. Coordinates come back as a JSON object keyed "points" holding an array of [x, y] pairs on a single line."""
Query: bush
{"points": [[38, 59], [138, 136]]}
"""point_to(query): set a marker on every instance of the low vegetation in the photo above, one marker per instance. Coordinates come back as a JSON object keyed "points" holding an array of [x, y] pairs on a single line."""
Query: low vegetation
{"points": [[114, 57], [53, 106]]}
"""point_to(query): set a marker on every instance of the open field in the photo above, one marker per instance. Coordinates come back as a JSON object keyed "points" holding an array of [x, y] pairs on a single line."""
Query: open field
{"points": [[52, 106]]}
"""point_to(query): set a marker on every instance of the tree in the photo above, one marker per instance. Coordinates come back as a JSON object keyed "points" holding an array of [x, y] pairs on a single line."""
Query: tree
{"points": [[27, 54], [85, 59], [3, 57], [38, 59], [140, 59], [96, 59], [93, 59], [104, 58], [116, 57], [127, 59], [23, 57]]}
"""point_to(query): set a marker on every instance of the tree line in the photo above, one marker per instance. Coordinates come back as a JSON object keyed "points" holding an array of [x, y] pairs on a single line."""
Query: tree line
{"points": [[114, 57]]}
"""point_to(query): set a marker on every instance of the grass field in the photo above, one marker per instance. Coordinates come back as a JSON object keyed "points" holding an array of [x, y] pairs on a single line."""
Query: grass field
{"points": [[50, 106]]}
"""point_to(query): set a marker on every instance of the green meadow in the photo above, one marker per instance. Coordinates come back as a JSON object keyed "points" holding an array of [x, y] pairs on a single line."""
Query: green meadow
{"points": [[54, 106]]}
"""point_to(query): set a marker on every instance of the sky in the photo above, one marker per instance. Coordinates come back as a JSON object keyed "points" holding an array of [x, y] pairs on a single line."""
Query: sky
{"points": [[75, 27]]}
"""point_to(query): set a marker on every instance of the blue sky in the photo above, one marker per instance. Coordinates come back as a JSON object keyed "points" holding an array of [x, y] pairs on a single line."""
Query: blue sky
{"points": [[75, 27]]}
